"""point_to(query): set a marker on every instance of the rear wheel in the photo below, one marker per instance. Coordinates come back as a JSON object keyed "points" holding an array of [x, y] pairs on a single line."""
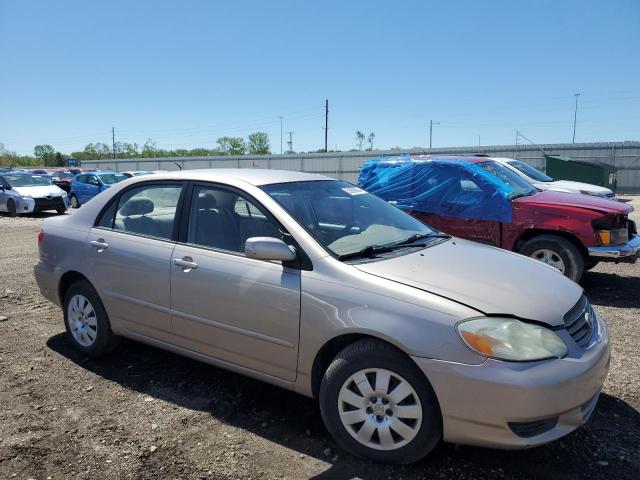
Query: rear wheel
{"points": [[11, 207], [378, 405], [87, 322], [74, 201], [557, 252]]}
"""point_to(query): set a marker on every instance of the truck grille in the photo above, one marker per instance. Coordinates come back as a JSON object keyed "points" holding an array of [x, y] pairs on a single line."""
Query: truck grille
{"points": [[580, 322]]}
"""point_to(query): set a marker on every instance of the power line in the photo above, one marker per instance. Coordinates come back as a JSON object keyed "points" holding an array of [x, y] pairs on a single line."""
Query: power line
{"points": [[575, 116], [326, 124], [290, 142]]}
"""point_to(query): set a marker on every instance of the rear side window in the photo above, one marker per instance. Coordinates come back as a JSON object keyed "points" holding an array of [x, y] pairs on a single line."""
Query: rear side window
{"points": [[148, 210]]}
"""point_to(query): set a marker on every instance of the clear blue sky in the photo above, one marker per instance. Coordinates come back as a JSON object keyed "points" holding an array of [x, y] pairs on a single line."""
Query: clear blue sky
{"points": [[187, 72]]}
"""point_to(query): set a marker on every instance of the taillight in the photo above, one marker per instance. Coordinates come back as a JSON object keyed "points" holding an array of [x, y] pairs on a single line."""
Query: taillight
{"points": [[40, 236]]}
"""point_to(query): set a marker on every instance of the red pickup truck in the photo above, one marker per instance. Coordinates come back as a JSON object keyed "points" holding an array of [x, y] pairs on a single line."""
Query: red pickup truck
{"points": [[570, 232]]}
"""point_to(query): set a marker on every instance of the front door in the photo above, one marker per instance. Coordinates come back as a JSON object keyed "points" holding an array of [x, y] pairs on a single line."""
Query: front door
{"points": [[225, 305], [130, 250]]}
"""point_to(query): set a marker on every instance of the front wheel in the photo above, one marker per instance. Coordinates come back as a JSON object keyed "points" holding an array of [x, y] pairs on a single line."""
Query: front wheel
{"points": [[74, 201], [378, 405], [558, 252], [61, 210], [11, 207]]}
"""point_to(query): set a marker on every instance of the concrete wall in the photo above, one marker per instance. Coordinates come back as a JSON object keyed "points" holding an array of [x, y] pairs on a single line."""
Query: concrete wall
{"points": [[346, 165]]}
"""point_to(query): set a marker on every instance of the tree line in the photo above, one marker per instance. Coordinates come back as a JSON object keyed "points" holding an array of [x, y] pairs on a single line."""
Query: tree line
{"points": [[256, 143]]}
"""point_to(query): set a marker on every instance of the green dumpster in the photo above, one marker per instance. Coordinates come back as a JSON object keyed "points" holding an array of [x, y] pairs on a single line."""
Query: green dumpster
{"points": [[595, 173]]}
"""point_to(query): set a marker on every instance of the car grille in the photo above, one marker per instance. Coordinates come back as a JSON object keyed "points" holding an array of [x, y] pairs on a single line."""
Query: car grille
{"points": [[48, 203], [580, 322]]}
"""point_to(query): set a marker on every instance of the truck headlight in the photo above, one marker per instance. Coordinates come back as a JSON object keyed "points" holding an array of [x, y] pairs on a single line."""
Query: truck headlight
{"points": [[613, 237], [510, 339]]}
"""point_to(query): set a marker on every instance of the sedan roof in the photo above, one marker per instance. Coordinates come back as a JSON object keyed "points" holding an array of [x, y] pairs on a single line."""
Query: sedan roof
{"points": [[253, 176]]}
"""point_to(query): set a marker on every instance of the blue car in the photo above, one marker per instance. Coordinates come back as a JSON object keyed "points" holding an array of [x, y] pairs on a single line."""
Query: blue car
{"points": [[87, 185]]}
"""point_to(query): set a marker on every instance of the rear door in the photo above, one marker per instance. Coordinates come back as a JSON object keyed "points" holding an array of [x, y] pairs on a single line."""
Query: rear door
{"points": [[237, 309], [130, 248]]}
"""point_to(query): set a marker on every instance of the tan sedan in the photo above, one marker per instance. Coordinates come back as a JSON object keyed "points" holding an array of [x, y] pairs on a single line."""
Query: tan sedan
{"points": [[405, 335]]}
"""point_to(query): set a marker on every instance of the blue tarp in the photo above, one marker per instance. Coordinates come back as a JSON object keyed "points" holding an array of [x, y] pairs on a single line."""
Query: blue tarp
{"points": [[449, 188]]}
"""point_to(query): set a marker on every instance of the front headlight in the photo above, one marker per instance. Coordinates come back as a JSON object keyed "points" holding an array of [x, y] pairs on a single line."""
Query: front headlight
{"points": [[64, 194], [26, 196], [510, 339]]}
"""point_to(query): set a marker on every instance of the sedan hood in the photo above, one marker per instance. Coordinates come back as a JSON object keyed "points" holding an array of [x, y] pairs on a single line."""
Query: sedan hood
{"points": [[485, 278], [574, 187], [40, 191], [590, 202]]}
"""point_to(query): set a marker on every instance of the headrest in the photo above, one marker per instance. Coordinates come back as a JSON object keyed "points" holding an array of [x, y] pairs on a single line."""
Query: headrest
{"points": [[206, 201], [137, 206]]}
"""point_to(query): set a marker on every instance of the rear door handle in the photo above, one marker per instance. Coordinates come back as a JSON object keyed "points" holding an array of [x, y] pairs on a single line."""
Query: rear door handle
{"points": [[100, 244], [186, 263]]}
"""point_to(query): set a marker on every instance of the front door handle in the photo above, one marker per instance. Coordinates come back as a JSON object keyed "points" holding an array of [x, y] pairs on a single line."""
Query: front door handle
{"points": [[186, 263], [100, 244]]}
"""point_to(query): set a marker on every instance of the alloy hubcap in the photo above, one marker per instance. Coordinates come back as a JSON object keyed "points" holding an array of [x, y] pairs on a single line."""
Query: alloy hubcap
{"points": [[82, 320], [550, 258], [380, 409]]}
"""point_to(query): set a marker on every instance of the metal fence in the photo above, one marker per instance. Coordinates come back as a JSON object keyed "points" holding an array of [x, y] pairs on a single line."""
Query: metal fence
{"points": [[346, 165]]}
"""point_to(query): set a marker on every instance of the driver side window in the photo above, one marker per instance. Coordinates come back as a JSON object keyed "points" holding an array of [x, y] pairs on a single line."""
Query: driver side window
{"points": [[224, 220]]}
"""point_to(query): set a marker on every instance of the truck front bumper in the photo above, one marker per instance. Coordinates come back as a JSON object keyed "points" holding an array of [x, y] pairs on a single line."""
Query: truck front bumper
{"points": [[628, 251]]}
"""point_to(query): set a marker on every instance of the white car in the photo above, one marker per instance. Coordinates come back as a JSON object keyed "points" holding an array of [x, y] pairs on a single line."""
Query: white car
{"points": [[544, 182], [28, 193]]}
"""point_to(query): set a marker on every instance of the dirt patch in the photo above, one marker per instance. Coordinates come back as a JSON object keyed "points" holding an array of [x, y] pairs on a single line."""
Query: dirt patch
{"points": [[144, 413]]}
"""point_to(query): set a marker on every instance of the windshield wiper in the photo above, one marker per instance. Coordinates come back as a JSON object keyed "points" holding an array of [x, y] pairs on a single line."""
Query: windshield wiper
{"points": [[419, 236], [368, 251]]}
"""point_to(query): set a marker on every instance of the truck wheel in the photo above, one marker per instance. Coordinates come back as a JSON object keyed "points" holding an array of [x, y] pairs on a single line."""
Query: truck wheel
{"points": [[378, 405], [558, 252]]}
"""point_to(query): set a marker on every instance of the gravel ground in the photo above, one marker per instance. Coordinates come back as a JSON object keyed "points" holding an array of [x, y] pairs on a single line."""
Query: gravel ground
{"points": [[144, 413]]}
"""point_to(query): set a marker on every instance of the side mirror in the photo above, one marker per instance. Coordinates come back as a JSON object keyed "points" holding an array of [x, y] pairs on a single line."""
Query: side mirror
{"points": [[269, 248]]}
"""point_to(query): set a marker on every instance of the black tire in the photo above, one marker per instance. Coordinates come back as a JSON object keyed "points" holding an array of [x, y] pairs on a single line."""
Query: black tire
{"points": [[105, 341], [11, 208], [61, 211], [369, 354], [75, 203], [565, 249]]}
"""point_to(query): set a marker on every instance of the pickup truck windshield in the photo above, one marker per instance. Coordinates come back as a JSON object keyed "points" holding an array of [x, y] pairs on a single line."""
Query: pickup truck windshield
{"points": [[530, 172], [347, 220], [521, 188]]}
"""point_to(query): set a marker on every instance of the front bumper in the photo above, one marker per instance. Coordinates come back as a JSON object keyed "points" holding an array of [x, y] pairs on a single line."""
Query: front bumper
{"points": [[630, 249], [486, 404]]}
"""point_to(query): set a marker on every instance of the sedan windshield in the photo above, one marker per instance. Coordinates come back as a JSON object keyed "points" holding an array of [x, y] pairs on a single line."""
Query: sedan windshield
{"points": [[347, 220], [111, 178], [520, 187], [530, 172], [27, 180]]}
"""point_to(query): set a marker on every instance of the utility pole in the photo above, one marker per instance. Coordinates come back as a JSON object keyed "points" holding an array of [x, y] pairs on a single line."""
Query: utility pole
{"points": [[113, 141], [290, 142], [281, 135], [575, 116], [478, 140], [431, 124], [326, 124]]}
